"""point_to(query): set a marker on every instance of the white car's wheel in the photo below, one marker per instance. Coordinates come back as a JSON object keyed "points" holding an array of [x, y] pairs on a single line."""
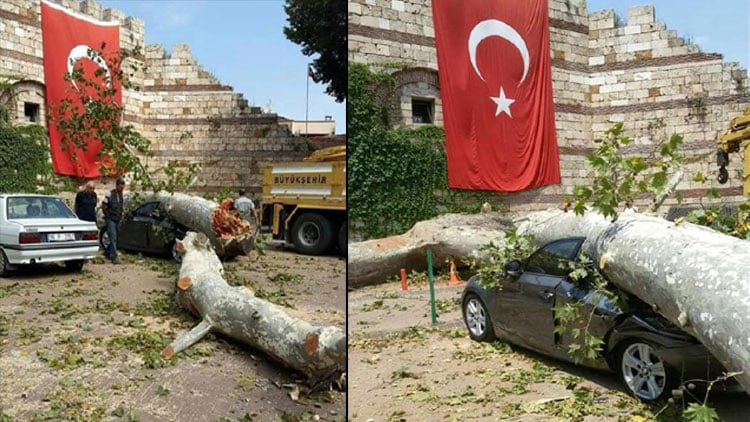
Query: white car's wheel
{"points": [[4, 270], [75, 266]]}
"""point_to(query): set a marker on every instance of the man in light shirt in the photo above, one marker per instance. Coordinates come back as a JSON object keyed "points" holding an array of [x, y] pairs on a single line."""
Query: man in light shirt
{"points": [[245, 207]]}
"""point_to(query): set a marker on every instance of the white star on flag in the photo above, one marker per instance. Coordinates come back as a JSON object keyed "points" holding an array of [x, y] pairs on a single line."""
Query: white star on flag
{"points": [[503, 103]]}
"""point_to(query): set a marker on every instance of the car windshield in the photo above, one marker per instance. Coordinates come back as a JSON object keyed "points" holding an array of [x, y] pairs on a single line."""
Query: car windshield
{"points": [[24, 207]]}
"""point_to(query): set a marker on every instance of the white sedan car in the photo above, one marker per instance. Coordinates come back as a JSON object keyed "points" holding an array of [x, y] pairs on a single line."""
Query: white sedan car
{"points": [[40, 228]]}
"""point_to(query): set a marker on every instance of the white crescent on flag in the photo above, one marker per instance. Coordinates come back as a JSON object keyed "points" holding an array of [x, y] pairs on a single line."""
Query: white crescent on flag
{"points": [[82, 52], [494, 27]]}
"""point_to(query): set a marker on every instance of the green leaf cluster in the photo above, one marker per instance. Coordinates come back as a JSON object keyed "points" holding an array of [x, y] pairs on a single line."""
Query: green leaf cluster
{"points": [[492, 268], [714, 216], [396, 177], [91, 111], [617, 178], [700, 412]]}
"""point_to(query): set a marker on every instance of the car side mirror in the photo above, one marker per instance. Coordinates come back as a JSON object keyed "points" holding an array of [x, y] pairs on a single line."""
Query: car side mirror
{"points": [[513, 268]]}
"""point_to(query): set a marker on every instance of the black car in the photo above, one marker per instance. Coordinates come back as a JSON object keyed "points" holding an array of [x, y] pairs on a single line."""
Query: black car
{"points": [[651, 355], [147, 229]]}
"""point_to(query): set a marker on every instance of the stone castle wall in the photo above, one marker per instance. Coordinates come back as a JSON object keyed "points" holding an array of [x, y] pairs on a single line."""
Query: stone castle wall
{"points": [[189, 115], [604, 70]]}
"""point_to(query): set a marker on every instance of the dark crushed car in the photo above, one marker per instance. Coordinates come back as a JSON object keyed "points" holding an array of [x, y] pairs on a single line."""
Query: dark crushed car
{"points": [[651, 355], [147, 229]]}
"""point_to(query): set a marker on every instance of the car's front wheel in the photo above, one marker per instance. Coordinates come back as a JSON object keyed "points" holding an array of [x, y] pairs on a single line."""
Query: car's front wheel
{"points": [[643, 372], [176, 254], [103, 239], [4, 266], [75, 266], [477, 319]]}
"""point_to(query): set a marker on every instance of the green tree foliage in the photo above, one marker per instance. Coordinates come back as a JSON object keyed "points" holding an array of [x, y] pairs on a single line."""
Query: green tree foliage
{"points": [[24, 154], [730, 223], [617, 178], [92, 112], [491, 269], [319, 27], [395, 177]]}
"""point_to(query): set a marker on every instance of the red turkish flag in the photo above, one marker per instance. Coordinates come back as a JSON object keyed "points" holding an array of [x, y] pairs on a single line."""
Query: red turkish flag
{"points": [[496, 87], [66, 40]]}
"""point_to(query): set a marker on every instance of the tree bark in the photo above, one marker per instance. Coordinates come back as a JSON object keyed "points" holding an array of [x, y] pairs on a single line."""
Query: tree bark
{"points": [[317, 351], [449, 236], [230, 235], [695, 277]]}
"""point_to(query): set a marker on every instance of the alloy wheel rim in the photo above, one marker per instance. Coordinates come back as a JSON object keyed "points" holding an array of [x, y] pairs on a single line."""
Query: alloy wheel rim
{"points": [[475, 317], [176, 255], [643, 371]]}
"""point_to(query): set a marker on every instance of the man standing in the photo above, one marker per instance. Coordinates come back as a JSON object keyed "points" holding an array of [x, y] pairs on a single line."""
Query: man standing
{"points": [[86, 200], [112, 208], [245, 207]]}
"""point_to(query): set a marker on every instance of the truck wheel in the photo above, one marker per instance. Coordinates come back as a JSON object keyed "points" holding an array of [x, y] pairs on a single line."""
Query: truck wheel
{"points": [[342, 238], [312, 234]]}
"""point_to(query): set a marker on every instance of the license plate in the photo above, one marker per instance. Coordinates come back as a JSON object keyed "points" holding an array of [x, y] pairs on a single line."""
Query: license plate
{"points": [[61, 237]]}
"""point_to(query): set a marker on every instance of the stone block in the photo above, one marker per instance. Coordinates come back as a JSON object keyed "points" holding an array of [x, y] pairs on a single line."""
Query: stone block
{"points": [[369, 21], [596, 60], [632, 29], [646, 11], [642, 76], [91, 8], [633, 47], [181, 51], [384, 23], [354, 8], [428, 30], [397, 5], [113, 15]]}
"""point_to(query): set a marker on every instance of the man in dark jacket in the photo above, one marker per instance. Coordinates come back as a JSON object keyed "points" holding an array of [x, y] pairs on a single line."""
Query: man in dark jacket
{"points": [[112, 208], [86, 200]]}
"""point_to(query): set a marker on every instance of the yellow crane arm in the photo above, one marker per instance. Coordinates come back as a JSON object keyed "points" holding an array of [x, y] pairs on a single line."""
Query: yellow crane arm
{"points": [[729, 141]]}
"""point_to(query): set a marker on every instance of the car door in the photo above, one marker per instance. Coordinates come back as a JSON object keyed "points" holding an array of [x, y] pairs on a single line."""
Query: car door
{"points": [[160, 231], [526, 303], [135, 226]]}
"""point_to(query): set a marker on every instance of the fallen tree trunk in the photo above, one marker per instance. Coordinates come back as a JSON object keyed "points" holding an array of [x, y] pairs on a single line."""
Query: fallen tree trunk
{"points": [[317, 351], [449, 236], [697, 278], [229, 234]]}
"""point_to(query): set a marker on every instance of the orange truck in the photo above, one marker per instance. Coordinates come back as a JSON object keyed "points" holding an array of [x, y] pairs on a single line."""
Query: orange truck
{"points": [[304, 203]]}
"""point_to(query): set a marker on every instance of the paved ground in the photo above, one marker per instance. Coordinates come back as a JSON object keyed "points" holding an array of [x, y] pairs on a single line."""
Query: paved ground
{"points": [[86, 346], [403, 368]]}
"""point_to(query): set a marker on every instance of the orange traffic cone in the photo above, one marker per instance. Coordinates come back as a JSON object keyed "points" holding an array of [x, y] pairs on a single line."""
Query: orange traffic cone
{"points": [[454, 274]]}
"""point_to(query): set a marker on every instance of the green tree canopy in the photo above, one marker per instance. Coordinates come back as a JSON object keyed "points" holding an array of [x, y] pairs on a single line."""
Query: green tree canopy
{"points": [[319, 26]]}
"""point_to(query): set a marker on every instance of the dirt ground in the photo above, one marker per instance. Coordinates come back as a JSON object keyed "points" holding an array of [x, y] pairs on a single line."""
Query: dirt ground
{"points": [[404, 368], [85, 346]]}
